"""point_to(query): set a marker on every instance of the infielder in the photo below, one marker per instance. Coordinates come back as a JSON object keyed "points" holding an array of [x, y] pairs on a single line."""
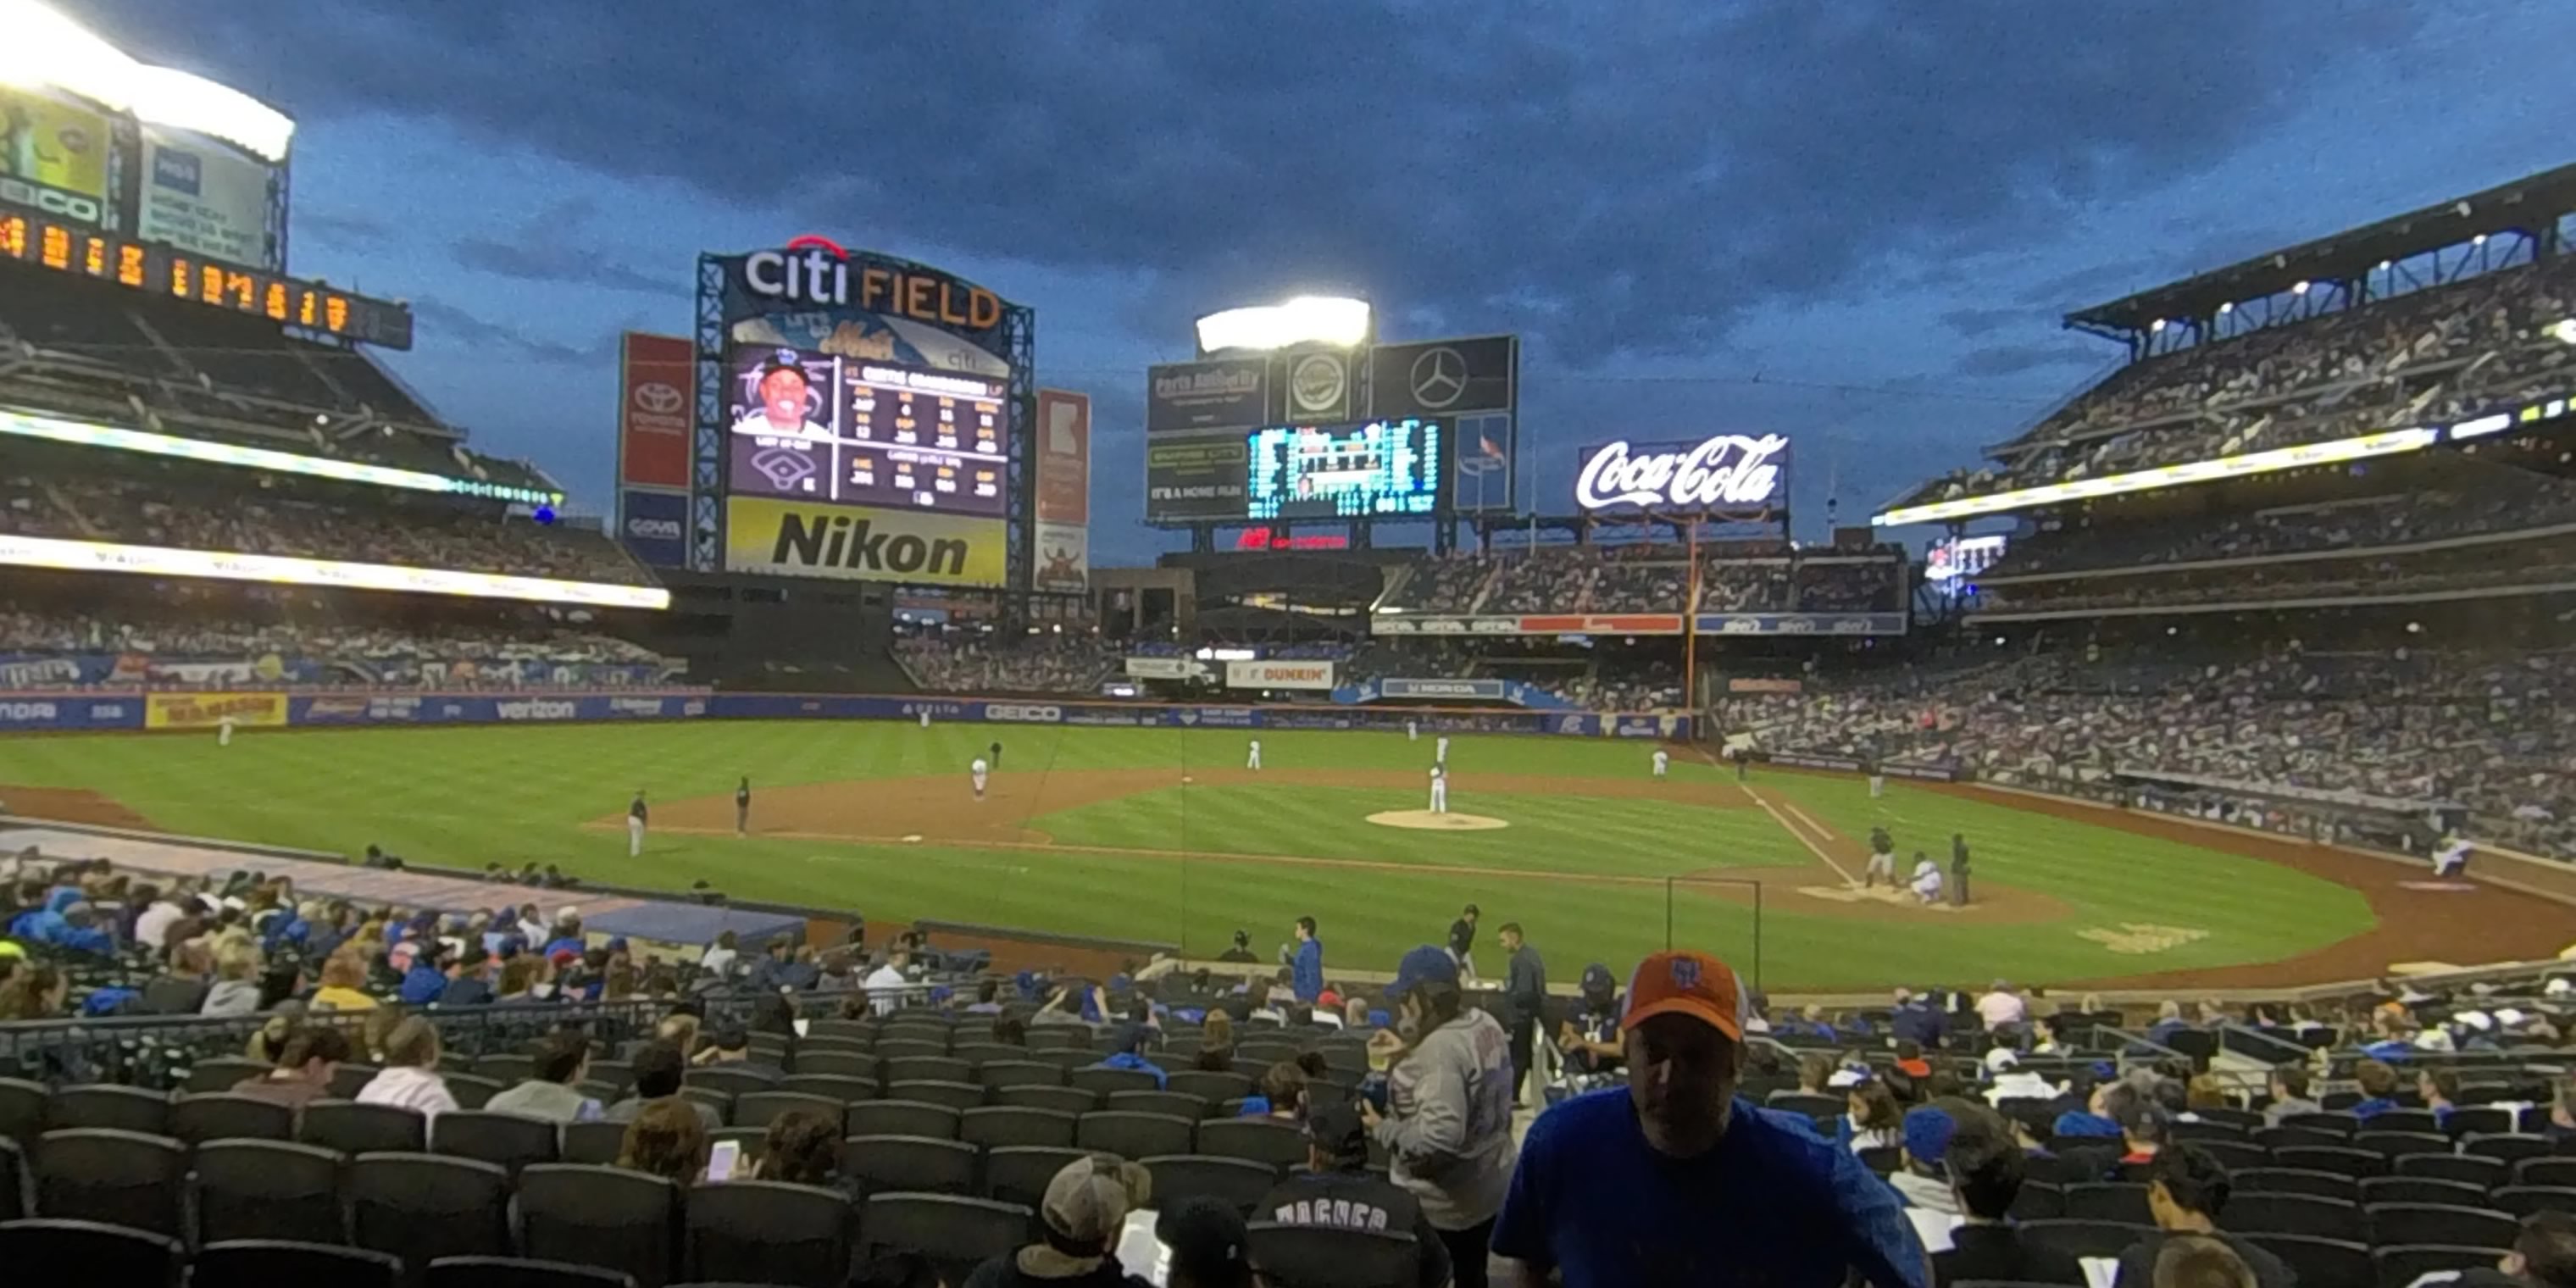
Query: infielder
{"points": [[1663, 762], [1439, 790], [978, 771], [1252, 760], [224, 732], [2453, 858], [635, 814], [1440, 752], [1882, 858]]}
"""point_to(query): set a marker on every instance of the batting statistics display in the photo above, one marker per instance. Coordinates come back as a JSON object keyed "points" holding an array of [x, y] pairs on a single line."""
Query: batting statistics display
{"points": [[863, 431], [1379, 468]]}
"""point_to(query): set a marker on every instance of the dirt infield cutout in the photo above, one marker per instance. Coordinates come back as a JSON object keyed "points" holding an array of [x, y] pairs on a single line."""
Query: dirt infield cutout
{"points": [[2135, 939], [1425, 820]]}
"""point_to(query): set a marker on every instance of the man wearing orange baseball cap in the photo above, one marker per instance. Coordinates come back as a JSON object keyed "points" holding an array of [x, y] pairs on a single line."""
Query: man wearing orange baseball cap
{"points": [[1672, 1180]]}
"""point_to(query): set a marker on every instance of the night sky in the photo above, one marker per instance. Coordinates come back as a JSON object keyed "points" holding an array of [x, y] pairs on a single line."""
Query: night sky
{"points": [[1854, 223]]}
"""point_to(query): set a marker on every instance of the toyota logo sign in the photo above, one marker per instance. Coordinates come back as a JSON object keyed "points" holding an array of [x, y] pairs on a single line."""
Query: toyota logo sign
{"points": [[658, 398]]}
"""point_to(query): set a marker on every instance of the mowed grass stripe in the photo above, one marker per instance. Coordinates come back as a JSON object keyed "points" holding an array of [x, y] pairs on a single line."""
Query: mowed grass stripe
{"points": [[466, 796]]}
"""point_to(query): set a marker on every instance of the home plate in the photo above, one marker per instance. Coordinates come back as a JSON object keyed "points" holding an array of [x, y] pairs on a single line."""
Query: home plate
{"points": [[1426, 820]]}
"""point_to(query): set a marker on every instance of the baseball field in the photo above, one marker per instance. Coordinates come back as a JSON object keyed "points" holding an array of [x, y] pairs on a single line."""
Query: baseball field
{"points": [[1163, 835]]}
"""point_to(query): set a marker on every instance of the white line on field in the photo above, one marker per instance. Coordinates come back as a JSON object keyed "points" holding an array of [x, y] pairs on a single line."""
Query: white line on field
{"points": [[1801, 816], [1801, 837]]}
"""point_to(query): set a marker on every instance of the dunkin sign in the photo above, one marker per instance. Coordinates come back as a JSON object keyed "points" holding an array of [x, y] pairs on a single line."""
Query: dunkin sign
{"points": [[1720, 472]]}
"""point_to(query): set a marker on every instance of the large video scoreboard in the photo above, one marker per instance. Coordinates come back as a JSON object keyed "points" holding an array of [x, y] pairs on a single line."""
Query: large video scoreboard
{"points": [[1377, 469], [860, 431]]}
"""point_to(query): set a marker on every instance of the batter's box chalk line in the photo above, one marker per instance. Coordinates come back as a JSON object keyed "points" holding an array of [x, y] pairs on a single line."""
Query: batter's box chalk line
{"points": [[2439, 887], [1875, 894]]}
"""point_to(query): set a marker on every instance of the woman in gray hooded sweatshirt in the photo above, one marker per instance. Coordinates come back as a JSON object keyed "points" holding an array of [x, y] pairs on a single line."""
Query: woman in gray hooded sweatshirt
{"points": [[1448, 1126]]}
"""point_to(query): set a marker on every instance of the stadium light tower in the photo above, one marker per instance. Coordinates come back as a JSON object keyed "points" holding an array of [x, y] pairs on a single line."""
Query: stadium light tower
{"points": [[41, 48], [1334, 320]]}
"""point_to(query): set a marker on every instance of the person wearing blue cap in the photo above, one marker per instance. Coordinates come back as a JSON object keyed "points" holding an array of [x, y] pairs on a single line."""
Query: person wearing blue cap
{"points": [[1448, 1132], [1919, 1176]]}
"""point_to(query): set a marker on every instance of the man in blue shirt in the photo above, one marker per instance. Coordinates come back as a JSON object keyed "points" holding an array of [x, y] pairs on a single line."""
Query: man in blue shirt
{"points": [[1306, 965], [1127, 1051], [1673, 1180], [425, 982]]}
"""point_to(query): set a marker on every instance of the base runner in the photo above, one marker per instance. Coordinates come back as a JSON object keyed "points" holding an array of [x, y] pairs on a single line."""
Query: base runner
{"points": [[1252, 760], [1439, 790], [978, 771]]}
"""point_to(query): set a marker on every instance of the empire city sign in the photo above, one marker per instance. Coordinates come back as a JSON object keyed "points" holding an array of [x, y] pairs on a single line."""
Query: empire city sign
{"points": [[1720, 472]]}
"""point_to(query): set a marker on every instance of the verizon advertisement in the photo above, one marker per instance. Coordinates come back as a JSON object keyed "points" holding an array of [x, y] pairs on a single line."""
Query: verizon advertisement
{"points": [[653, 411], [1279, 675], [1063, 564]]}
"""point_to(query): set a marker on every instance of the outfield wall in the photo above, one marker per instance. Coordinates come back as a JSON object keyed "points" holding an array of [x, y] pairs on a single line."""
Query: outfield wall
{"points": [[47, 711]]}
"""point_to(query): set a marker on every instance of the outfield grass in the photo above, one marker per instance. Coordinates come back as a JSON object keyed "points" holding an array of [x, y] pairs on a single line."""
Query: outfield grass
{"points": [[462, 797]]}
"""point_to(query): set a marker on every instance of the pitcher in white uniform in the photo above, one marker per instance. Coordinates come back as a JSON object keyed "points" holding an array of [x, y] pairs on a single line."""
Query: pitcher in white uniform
{"points": [[979, 771], [1439, 790], [1252, 760]]}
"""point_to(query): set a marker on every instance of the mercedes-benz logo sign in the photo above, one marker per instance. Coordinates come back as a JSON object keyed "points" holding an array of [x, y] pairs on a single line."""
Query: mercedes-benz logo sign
{"points": [[1317, 382], [783, 467], [657, 398], [1439, 377]]}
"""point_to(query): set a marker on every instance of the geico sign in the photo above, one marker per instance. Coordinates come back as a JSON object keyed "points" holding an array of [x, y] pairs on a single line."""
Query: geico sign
{"points": [[1023, 715], [29, 711], [653, 529], [1724, 470], [535, 709], [52, 201]]}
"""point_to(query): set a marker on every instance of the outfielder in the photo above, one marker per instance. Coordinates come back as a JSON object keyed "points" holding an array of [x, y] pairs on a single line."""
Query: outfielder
{"points": [[925, 717], [979, 772], [635, 814], [1440, 752], [1882, 858], [1877, 781], [1252, 760], [1663, 761], [1412, 731], [224, 732], [1439, 790]]}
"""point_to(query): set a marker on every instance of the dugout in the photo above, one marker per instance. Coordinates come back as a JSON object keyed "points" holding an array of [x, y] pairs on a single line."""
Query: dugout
{"points": [[2401, 824]]}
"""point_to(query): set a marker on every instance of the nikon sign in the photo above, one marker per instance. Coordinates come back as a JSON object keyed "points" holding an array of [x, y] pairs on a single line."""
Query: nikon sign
{"points": [[798, 539]]}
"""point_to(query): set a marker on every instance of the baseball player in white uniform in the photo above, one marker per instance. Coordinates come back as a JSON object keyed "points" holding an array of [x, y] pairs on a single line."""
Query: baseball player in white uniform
{"points": [[1440, 753], [1252, 759], [2453, 858], [1439, 790], [1927, 879], [1663, 762], [1412, 731], [925, 717], [224, 732], [980, 772], [635, 816]]}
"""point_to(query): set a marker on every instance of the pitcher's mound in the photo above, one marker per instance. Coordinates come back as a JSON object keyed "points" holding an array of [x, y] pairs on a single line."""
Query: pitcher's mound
{"points": [[1425, 819]]}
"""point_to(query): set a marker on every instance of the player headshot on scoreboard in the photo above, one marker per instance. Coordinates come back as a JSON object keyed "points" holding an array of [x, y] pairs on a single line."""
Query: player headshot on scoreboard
{"points": [[787, 401]]}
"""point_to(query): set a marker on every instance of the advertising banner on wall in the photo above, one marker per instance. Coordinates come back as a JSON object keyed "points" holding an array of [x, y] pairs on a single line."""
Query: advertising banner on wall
{"points": [[1063, 564], [1279, 675], [200, 195], [654, 373], [1220, 393], [1165, 668], [855, 543], [654, 526], [1445, 377], [1315, 385], [55, 157], [207, 710], [1197, 476]]}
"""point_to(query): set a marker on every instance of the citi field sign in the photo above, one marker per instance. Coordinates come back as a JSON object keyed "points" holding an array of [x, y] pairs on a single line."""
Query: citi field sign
{"points": [[817, 271], [1720, 472]]}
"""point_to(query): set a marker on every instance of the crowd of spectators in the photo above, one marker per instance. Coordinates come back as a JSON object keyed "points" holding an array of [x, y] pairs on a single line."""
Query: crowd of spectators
{"points": [[2533, 564], [160, 503], [2463, 502], [2423, 358], [963, 662], [191, 622], [2495, 733], [1652, 578]]}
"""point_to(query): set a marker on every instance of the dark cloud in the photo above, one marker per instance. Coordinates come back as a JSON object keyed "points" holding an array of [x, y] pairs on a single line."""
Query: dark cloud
{"points": [[465, 329], [2016, 359], [1633, 179], [1974, 322], [346, 228], [554, 245]]}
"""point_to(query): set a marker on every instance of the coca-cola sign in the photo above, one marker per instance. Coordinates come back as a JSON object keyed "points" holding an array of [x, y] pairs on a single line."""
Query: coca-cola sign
{"points": [[1720, 472]]}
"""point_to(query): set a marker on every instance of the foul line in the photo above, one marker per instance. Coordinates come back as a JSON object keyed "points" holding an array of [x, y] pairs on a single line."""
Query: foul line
{"points": [[1800, 837]]}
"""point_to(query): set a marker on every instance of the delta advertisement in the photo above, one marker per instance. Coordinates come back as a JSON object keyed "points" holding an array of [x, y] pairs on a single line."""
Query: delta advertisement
{"points": [[855, 543], [201, 196]]}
